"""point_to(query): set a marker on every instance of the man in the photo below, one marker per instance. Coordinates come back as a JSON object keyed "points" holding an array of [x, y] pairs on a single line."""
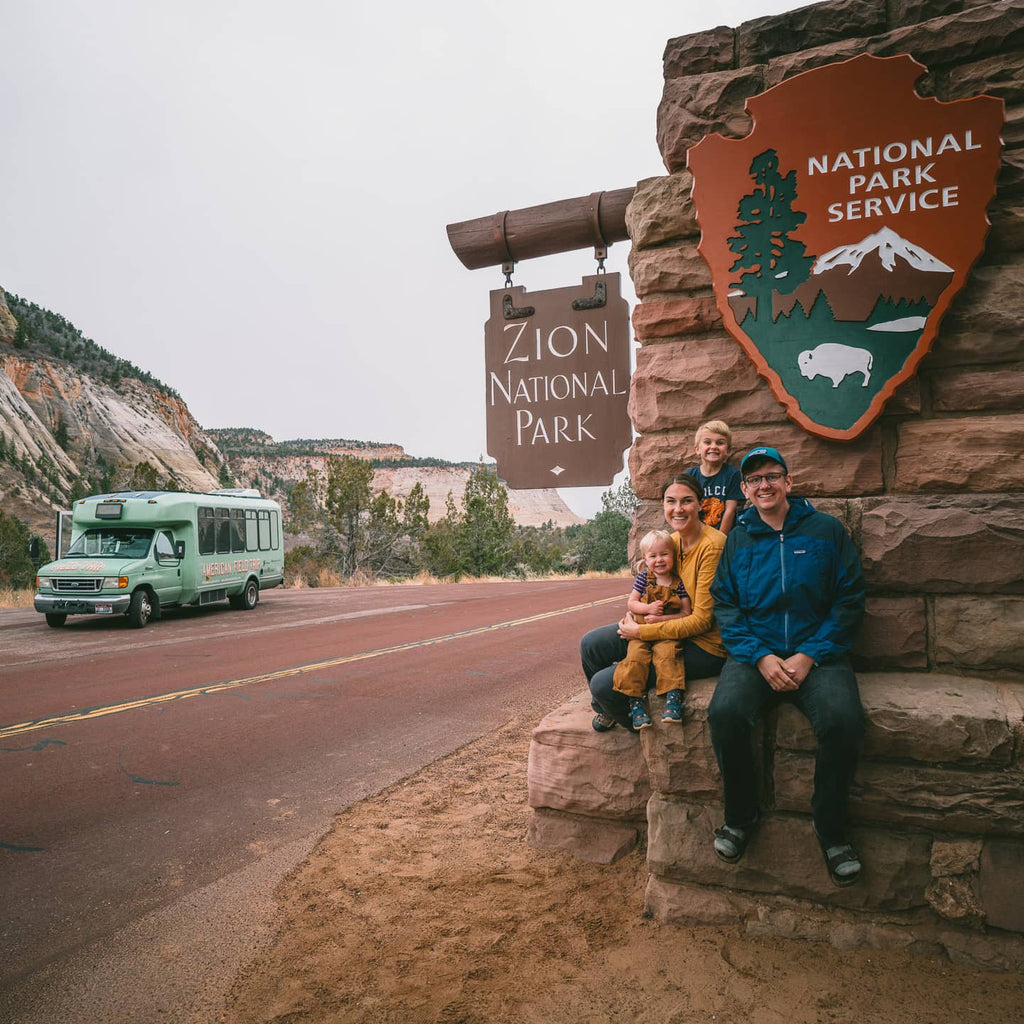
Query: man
{"points": [[789, 596]]}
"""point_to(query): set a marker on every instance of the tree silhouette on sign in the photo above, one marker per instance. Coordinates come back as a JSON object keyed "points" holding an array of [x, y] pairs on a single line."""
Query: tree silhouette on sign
{"points": [[770, 260]]}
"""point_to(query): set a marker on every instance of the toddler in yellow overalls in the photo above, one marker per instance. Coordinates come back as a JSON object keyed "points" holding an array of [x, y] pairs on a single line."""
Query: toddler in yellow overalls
{"points": [[658, 590]]}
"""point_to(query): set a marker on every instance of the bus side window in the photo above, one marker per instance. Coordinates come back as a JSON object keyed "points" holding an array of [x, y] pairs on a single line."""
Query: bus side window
{"points": [[264, 531], [207, 532], [223, 531], [238, 529], [252, 541]]}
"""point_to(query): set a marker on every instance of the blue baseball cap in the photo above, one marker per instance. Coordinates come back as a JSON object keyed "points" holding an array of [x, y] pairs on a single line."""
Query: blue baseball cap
{"points": [[762, 454]]}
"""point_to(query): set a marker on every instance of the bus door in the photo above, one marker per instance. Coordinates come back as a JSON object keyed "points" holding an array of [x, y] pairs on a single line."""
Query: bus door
{"points": [[168, 580]]}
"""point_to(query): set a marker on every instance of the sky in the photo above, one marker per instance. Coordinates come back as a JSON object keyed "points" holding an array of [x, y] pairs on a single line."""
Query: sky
{"points": [[249, 199]]}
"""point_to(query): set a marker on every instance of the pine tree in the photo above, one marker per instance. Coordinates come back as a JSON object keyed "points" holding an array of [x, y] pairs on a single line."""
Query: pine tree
{"points": [[60, 435], [347, 497], [487, 532], [305, 509], [602, 545], [621, 499], [770, 260], [21, 335], [440, 543], [384, 533], [16, 566]]}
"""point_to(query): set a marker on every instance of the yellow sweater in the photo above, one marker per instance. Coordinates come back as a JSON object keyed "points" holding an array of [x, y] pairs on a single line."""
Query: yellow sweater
{"points": [[696, 569]]}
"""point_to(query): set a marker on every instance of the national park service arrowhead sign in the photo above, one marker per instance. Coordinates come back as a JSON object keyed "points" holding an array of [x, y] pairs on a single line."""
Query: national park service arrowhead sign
{"points": [[840, 229]]}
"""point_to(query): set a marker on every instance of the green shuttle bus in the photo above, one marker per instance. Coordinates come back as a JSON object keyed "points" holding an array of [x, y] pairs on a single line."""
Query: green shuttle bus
{"points": [[134, 553]]}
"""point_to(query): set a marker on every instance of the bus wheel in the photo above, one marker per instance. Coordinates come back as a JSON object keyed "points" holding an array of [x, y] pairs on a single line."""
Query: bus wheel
{"points": [[140, 610], [248, 598], [55, 619]]}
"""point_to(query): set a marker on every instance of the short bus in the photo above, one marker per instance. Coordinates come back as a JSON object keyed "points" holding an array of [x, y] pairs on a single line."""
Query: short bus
{"points": [[137, 552]]}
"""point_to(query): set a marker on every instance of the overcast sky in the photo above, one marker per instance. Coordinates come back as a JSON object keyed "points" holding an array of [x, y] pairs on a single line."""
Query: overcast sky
{"points": [[249, 199]]}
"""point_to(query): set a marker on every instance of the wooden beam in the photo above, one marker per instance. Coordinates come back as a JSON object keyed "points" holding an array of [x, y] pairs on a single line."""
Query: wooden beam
{"points": [[585, 222]]}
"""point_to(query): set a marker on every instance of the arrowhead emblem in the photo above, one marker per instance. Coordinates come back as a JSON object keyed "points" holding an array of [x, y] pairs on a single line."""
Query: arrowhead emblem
{"points": [[840, 229]]}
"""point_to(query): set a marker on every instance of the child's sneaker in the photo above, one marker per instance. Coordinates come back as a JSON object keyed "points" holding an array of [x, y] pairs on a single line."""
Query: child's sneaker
{"points": [[638, 713], [673, 706]]}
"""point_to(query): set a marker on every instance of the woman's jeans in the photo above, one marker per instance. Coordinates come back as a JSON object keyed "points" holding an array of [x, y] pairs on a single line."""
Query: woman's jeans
{"points": [[601, 648], [829, 698]]}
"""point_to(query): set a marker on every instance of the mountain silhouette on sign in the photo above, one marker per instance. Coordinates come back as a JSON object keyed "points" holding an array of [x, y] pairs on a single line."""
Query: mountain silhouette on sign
{"points": [[854, 277]]}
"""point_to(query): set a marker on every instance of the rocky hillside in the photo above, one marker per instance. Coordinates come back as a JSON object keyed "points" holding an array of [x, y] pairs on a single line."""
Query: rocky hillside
{"points": [[75, 420]]}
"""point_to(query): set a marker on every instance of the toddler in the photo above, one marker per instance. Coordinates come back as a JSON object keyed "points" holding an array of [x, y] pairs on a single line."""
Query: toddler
{"points": [[658, 590]]}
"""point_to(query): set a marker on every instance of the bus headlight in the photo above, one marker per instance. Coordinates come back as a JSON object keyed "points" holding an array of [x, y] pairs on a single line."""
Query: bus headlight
{"points": [[44, 583], [115, 582]]}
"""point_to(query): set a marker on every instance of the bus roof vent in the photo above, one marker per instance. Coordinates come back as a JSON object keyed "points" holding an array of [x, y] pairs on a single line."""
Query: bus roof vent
{"points": [[237, 492]]}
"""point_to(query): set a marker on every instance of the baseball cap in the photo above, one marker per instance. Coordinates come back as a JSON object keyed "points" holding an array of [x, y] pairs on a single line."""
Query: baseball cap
{"points": [[762, 454]]}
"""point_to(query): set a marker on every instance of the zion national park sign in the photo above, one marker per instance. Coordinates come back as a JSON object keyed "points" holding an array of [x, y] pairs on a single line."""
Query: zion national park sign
{"points": [[840, 229]]}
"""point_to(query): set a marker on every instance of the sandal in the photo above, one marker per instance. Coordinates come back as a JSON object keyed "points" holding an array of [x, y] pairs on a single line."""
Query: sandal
{"points": [[731, 842], [842, 861], [843, 864]]}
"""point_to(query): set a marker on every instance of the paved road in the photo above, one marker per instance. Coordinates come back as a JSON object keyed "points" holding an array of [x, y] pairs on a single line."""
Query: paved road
{"points": [[146, 775]]}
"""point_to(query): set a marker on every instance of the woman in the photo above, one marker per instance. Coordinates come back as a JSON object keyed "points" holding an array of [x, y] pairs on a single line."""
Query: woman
{"points": [[701, 648]]}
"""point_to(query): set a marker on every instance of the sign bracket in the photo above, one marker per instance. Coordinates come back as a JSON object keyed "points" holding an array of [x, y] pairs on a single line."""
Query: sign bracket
{"points": [[600, 296]]}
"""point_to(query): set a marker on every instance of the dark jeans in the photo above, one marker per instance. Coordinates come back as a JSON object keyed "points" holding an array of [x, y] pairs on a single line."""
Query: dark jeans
{"points": [[829, 698], [601, 648]]}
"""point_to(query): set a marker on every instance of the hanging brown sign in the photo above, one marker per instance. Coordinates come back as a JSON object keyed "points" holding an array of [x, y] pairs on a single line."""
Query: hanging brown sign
{"points": [[557, 365], [840, 229]]}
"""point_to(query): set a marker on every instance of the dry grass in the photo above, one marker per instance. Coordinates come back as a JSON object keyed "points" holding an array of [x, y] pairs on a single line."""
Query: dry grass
{"points": [[16, 598]]}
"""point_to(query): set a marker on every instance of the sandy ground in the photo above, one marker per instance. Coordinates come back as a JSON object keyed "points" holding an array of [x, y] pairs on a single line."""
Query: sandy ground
{"points": [[424, 904]]}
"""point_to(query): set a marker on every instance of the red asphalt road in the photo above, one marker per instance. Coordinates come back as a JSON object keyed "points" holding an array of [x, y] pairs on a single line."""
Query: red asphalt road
{"points": [[105, 816]]}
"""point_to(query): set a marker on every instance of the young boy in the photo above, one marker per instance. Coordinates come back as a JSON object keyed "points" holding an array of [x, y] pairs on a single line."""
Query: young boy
{"points": [[658, 590], [723, 495]]}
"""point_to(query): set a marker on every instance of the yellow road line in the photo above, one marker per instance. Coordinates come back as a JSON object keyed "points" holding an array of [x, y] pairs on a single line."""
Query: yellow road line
{"points": [[87, 714]]}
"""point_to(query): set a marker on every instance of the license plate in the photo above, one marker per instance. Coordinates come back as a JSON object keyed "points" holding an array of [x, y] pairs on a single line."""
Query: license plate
{"points": [[104, 609]]}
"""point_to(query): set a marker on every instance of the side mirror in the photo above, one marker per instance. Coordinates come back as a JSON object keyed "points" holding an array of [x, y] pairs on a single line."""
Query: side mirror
{"points": [[179, 549]]}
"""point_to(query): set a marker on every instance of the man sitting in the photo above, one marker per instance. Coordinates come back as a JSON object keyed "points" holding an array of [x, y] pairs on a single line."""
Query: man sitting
{"points": [[789, 596]]}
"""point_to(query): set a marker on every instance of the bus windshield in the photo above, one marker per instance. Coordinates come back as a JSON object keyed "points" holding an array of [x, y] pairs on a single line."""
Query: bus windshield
{"points": [[112, 541]]}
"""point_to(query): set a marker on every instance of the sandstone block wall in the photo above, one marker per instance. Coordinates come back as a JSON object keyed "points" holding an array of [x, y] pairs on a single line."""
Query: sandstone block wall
{"points": [[937, 812], [932, 491], [932, 496]]}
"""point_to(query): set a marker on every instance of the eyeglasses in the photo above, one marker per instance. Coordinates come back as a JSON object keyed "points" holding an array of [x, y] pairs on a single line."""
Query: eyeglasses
{"points": [[768, 478]]}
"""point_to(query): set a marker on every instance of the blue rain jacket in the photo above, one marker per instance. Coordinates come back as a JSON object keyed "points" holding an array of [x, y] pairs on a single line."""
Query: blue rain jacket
{"points": [[800, 588]]}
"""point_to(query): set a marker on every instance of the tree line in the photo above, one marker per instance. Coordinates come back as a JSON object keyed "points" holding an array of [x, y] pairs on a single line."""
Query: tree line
{"points": [[359, 535]]}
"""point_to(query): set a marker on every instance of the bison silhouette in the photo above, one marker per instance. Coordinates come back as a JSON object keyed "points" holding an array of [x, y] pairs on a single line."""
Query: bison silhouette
{"points": [[835, 362]]}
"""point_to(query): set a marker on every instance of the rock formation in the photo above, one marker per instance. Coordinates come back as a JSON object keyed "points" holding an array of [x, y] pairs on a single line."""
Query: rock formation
{"points": [[63, 430]]}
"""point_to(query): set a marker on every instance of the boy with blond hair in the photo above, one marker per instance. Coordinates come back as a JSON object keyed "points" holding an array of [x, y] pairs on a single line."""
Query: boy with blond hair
{"points": [[723, 494]]}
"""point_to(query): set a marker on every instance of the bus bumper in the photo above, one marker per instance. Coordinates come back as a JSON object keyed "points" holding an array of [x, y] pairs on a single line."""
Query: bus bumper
{"points": [[82, 605]]}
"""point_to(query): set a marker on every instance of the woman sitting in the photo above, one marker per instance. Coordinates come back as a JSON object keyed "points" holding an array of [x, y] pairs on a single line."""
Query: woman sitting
{"points": [[700, 648]]}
